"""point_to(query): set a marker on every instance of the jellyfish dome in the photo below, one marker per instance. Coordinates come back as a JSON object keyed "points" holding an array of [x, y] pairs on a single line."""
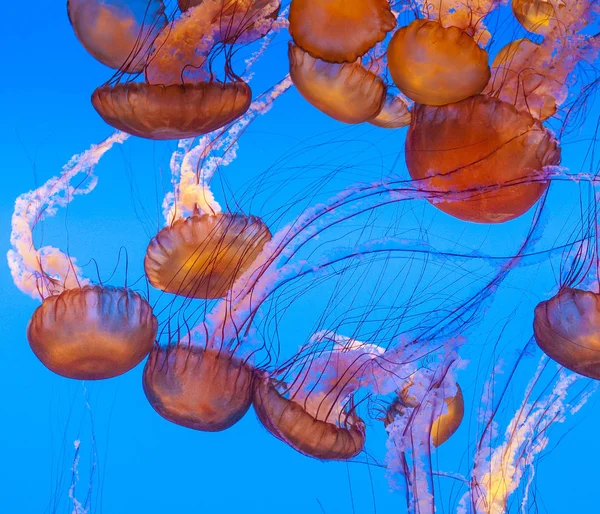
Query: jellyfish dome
{"points": [[174, 111], [202, 389], [480, 142], [394, 114], [201, 256], [339, 30], [93, 332], [310, 427], [118, 33], [347, 92], [435, 65], [567, 329]]}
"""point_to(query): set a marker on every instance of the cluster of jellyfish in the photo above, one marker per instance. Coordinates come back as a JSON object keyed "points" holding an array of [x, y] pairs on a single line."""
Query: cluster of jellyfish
{"points": [[478, 148]]}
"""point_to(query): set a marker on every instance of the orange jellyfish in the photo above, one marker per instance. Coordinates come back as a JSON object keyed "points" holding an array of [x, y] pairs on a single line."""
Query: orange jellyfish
{"points": [[478, 143], [201, 256], [347, 92], [339, 31], [394, 114], [199, 388], [435, 65], [555, 17], [93, 332], [240, 21], [176, 111], [118, 33], [567, 329], [444, 424]]}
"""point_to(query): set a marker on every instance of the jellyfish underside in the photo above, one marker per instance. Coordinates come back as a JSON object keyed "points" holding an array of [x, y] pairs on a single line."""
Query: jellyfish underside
{"points": [[93, 332], [174, 111], [290, 422], [393, 115], [322, 28], [201, 256], [480, 142], [435, 65], [202, 389], [567, 329]]}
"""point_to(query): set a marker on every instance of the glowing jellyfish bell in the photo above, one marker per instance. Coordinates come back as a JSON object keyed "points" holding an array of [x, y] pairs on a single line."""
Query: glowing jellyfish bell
{"points": [[481, 142], [436, 65], [81, 330], [118, 33], [567, 329], [347, 92], [339, 31]]}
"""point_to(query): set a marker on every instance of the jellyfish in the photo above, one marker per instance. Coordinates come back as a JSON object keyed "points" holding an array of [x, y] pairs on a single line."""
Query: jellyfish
{"points": [[322, 28], [347, 92], [394, 114], [435, 65], [82, 330], [480, 143], [548, 16], [118, 33], [567, 329]]}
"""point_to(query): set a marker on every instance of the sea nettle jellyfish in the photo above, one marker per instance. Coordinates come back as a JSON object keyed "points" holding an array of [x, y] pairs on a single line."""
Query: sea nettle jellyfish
{"points": [[347, 92], [394, 114], [82, 330], [435, 65], [339, 31], [567, 329], [552, 16], [118, 33], [485, 151]]}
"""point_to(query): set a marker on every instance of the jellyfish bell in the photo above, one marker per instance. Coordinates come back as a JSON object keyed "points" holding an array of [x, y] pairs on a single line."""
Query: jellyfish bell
{"points": [[176, 111], [93, 332], [567, 329], [118, 33], [538, 16], [347, 92], [199, 388], [309, 427], [480, 142], [435, 65], [339, 30], [394, 114], [201, 256]]}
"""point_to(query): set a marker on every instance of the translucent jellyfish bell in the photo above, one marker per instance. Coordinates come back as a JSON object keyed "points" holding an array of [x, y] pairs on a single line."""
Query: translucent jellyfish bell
{"points": [[435, 65], [394, 114], [480, 142], [202, 389], [171, 112], [93, 332], [201, 256], [567, 329], [118, 33]]}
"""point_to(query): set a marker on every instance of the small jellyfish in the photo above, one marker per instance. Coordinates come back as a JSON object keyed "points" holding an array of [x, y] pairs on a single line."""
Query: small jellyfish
{"points": [[171, 112], [201, 256], [118, 33], [478, 143], [435, 65], [394, 114], [199, 388], [93, 332], [347, 92], [537, 16], [567, 329], [444, 424], [339, 30]]}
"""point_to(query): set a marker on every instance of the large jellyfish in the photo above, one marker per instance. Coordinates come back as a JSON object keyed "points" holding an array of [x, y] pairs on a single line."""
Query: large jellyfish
{"points": [[82, 330]]}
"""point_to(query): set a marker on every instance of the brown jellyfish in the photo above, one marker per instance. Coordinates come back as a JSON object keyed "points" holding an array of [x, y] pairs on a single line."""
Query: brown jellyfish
{"points": [[567, 329], [395, 113], [347, 92], [478, 143], [171, 112], [435, 65], [118, 33], [199, 388], [339, 30], [202, 256], [240, 21], [93, 332]]}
